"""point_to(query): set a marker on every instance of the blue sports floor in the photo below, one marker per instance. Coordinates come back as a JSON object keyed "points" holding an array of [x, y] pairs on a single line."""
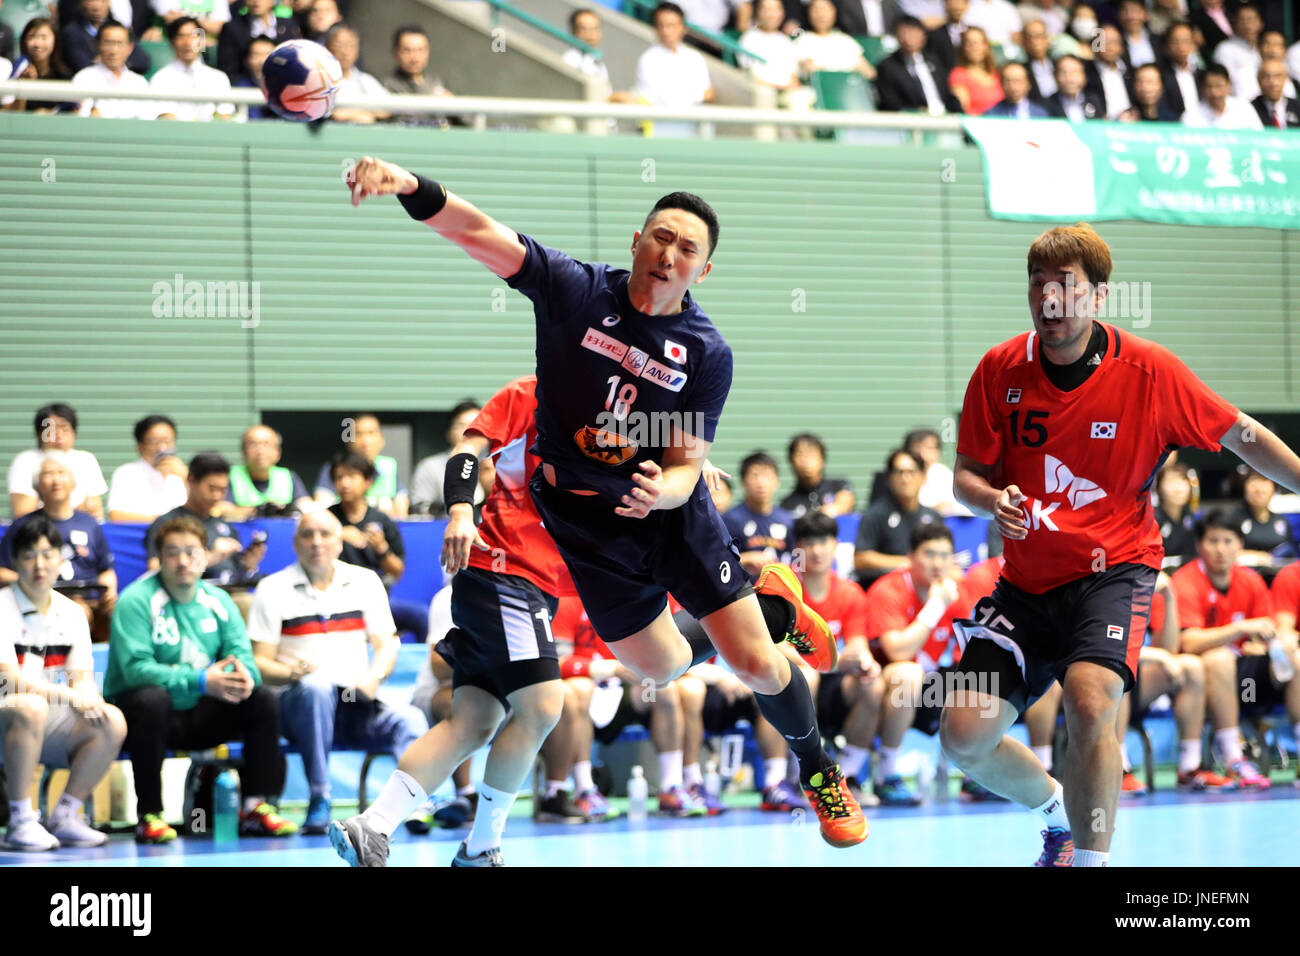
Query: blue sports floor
{"points": [[1166, 829]]}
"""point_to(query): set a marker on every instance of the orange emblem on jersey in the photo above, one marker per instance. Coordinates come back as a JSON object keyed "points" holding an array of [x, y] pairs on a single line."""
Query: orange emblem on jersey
{"points": [[606, 447]]}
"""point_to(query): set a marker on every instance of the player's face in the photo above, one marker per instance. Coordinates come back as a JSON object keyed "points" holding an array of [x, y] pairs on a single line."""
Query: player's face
{"points": [[369, 439], [182, 560], [1258, 492], [932, 561], [1062, 303], [208, 492], [1219, 550], [818, 554], [318, 542], [412, 53], [669, 257], [38, 566], [54, 483], [350, 485], [760, 484]]}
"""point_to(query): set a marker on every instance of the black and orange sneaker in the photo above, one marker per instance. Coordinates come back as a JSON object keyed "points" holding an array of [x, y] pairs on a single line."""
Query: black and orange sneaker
{"points": [[810, 636], [1131, 786], [154, 829], [262, 820], [841, 818]]}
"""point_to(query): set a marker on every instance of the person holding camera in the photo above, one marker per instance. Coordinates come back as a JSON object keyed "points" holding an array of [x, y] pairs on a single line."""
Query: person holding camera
{"points": [[154, 483]]}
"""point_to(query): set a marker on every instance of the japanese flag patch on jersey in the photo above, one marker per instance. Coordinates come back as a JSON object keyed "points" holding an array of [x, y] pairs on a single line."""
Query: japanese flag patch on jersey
{"points": [[674, 352], [1103, 429]]}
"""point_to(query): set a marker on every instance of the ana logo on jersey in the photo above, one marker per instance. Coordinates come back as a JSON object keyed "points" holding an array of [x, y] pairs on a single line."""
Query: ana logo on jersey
{"points": [[610, 321]]}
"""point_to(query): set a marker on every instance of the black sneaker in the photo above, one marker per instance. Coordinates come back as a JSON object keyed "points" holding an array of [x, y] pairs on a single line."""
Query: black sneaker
{"points": [[557, 809]]}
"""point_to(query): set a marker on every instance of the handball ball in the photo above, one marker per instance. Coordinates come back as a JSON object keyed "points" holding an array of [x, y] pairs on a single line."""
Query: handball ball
{"points": [[300, 79]]}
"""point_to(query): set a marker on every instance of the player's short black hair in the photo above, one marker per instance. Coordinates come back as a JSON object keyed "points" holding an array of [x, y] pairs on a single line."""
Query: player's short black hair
{"points": [[929, 531], [1218, 519], [690, 203], [463, 406], [353, 461], [55, 410], [805, 438], [1245, 6], [665, 8], [815, 524], [32, 530], [174, 28], [577, 12], [758, 459], [149, 421], [406, 28], [1215, 69], [907, 20], [207, 463]]}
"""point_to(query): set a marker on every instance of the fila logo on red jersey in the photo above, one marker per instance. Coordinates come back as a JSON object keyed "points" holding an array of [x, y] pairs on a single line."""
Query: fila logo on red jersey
{"points": [[1103, 429], [1013, 396], [674, 352]]}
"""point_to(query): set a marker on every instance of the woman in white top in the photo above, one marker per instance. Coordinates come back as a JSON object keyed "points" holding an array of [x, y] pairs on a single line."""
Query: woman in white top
{"points": [[823, 47], [780, 66]]}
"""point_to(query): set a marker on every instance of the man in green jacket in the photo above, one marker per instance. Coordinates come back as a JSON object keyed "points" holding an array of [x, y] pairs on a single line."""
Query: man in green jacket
{"points": [[181, 669]]}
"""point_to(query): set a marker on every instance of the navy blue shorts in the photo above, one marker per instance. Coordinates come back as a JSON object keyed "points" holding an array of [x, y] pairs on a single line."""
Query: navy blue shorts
{"points": [[624, 568]]}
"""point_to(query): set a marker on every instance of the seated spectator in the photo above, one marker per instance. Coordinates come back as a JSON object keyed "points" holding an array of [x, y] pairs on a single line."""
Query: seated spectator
{"points": [[328, 688], [813, 491], [257, 20], [999, 20], [410, 75], [926, 447], [114, 44], [1138, 44], [260, 485], [1286, 606], [909, 80], [1016, 104], [1272, 46], [1226, 616], [80, 36], [227, 563], [1211, 20], [779, 69], [51, 711], [1239, 53], [1042, 71], [259, 48], [1181, 76], [132, 13], [212, 15], [181, 669], [974, 80], [321, 15], [1072, 100], [944, 41], [825, 47], [426, 482], [1150, 103], [1109, 73], [1273, 106], [716, 15], [909, 628], [867, 18], [370, 538], [1176, 515], [671, 73], [344, 43], [1268, 542], [190, 74], [929, 13], [39, 46], [760, 530], [1217, 109], [1079, 39], [87, 559], [56, 430], [154, 483], [387, 493], [1054, 17], [886, 526]]}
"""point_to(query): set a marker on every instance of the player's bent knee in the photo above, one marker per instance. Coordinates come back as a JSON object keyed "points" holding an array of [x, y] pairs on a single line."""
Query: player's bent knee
{"points": [[1193, 671], [28, 710], [964, 736]]}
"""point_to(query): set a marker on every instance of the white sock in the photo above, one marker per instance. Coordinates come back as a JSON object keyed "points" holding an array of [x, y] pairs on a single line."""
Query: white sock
{"points": [[21, 809], [670, 770], [692, 775], [853, 760], [888, 763], [1229, 743], [68, 805], [553, 789], [582, 781], [1090, 858], [774, 769], [465, 791], [1052, 810], [1123, 756], [252, 803], [1189, 755], [1044, 755], [490, 820], [397, 801]]}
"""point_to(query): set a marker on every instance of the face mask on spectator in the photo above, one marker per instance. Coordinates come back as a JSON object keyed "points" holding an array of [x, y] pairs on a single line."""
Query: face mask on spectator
{"points": [[1083, 29]]}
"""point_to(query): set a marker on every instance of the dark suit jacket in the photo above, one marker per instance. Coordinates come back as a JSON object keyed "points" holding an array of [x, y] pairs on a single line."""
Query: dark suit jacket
{"points": [[1267, 116], [1213, 34], [850, 18], [1164, 114], [1034, 92], [1004, 108], [1173, 95], [898, 89], [939, 43], [237, 34], [1094, 107], [141, 15], [1094, 85], [79, 48], [7, 42]]}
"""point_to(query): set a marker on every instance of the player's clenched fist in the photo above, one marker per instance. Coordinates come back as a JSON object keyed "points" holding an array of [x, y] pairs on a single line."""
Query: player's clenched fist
{"points": [[641, 500], [374, 177], [1008, 514]]}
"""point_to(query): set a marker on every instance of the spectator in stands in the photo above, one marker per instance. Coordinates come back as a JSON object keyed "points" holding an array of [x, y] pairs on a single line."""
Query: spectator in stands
{"points": [[1176, 515], [181, 669], [715, 15], [330, 690], [259, 48], [1272, 46], [866, 18], [1054, 17], [1139, 46], [261, 484], [1164, 14], [944, 41], [344, 43], [1015, 102], [779, 68], [999, 20], [190, 74], [1082, 38], [825, 47], [760, 529], [212, 15], [1274, 107], [56, 430], [926, 447], [1181, 76], [1286, 607], [39, 45], [1042, 71], [321, 16], [1268, 541], [143, 489], [1072, 100], [909, 628], [51, 710], [886, 526], [135, 14], [812, 489], [80, 35], [909, 80], [974, 80], [371, 539], [426, 483], [1149, 101], [1218, 109], [114, 45], [387, 493], [929, 13], [411, 75], [257, 20], [87, 558], [1211, 19], [672, 74], [1109, 72], [1240, 52], [1226, 616]]}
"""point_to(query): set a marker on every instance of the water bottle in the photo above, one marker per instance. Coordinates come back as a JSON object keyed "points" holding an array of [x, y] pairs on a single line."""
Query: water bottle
{"points": [[225, 808], [712, 779], [638, 796], [1283, 670]]}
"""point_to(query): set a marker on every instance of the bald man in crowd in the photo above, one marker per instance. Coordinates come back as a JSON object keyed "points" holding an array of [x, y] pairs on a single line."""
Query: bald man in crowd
{"points": [[260, 483]]}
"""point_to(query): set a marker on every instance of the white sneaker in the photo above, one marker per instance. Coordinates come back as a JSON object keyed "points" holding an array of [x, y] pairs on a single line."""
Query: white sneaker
{"points": [[71, 830], [26, 835]]}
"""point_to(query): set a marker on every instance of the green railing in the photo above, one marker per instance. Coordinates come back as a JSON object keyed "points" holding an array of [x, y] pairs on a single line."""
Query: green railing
{"points": [[500, 6], [727, 44]]}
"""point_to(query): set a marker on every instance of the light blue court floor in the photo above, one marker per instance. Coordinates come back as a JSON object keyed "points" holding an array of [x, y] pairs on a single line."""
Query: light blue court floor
{"points": [[1166, 829]]}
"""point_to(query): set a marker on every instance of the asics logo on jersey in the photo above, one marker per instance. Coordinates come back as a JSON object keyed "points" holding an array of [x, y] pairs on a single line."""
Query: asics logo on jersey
{"points": [[1058, 478], [610, 321]]}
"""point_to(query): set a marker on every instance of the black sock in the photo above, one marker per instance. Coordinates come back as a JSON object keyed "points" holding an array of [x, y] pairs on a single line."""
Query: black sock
{"points": [[701, 647], [778, 614], [793, 714]]}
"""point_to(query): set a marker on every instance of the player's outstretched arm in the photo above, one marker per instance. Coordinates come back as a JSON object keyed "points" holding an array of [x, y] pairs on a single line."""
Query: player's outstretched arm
{"points": [[482, 237], [1264, 451]]}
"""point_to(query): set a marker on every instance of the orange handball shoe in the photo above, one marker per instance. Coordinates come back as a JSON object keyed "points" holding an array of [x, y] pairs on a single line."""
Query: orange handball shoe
{"points": [[811, 637], [841, 818], [264, 821]]}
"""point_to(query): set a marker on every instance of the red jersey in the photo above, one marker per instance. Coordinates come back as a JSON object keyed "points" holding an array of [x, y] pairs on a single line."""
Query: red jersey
{"points": [[1085, 459], [1201, 604], [981, 579], [844, 609], [893, 604], [1286, 590], [511, 524]]}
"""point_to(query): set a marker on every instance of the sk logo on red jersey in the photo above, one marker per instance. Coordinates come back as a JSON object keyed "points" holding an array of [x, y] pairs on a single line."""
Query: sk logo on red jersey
{"points": [[1057, 477]]}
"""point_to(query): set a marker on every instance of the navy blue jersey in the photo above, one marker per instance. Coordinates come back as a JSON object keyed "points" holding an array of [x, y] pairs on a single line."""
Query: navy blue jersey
{"points": [[611, 381], [85, 549], [755, 532]]}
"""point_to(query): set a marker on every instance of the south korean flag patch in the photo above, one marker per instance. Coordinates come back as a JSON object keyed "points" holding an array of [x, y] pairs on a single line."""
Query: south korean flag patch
{"points": [[1103, 429]]}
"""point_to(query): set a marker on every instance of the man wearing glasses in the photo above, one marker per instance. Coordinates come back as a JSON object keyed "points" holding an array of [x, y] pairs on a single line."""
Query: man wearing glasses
{"points": [[154, 483], [885, 532]]}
